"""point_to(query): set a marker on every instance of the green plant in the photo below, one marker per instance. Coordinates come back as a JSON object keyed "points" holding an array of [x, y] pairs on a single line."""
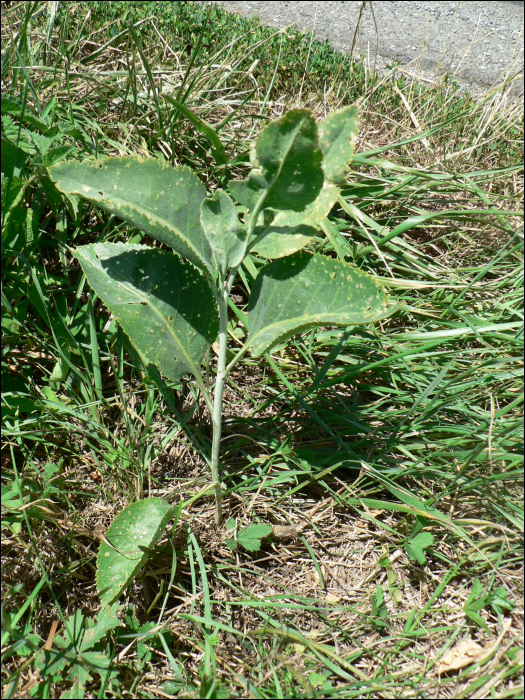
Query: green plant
{"points": [[379, 611], [426, 409], [74, 655], [172, 309], [415, 546], [250, 537], [480, 600]]}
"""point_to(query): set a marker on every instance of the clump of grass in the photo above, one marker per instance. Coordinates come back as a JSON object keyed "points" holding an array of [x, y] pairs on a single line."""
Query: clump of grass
{"points": [[395, 450]]}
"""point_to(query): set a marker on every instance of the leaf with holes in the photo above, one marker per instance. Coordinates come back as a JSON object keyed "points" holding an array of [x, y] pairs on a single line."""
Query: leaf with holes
{"points": [[281, 241], [129, 541], [305, 291], [286, 160], [173, 311], [313, 213], [164, 305], [160, 200], [283, 233], [337, 138]]}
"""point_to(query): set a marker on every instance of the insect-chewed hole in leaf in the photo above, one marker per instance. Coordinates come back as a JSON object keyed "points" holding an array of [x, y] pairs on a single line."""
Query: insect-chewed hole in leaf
{"points": [[170, 319]]}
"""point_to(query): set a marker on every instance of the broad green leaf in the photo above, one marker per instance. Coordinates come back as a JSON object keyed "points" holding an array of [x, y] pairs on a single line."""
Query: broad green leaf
{"points": [[246, 192], [279, 242], [160, 200], [304, 291], [223, 230], [96, 660], [316, 679], [337, 138], [164, 305], [286, 161], [415, 553], [415, 547], [250, 538], [290, 231], [75, 630], [52, 661], [79, 675], [423, 540], [131, 537], [313, 213]]}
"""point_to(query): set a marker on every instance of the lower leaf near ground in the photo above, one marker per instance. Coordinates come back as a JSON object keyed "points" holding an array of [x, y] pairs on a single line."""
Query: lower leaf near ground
{"points": [[250, 538], [303, 291], [165, 306], [128, 544]]}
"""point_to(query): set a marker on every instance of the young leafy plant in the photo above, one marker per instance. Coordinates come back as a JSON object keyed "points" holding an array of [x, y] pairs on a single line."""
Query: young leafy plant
{"points": [[415, 546], [251, 537], [174, 307], [74, 655]]}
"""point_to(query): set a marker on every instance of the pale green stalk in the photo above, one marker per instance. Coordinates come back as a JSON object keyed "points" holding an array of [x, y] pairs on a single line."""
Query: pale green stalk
{"points": [[222, 300], [222, 295]]}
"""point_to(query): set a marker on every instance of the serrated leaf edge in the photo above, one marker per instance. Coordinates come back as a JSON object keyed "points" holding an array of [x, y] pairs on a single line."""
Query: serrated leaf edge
{"points": [[147, 213], [132, 246], [317, 319], [352, 142]]}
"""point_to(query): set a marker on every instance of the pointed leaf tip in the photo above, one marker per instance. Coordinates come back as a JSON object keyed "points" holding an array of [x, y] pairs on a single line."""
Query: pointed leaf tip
{"points": [[157, 198]]}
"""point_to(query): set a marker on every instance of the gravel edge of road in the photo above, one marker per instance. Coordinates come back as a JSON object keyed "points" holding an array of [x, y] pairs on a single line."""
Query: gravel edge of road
{"points": [[419, 68]]}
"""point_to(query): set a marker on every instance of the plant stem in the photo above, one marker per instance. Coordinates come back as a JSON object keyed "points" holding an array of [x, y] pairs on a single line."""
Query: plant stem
{"points": [[222, 295], [222, 300]]}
